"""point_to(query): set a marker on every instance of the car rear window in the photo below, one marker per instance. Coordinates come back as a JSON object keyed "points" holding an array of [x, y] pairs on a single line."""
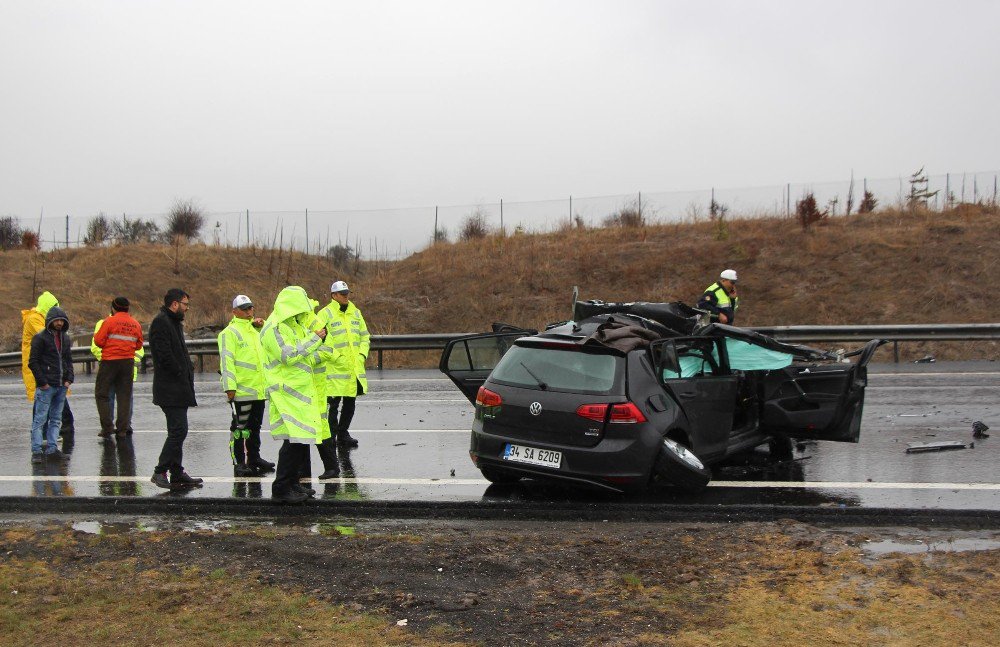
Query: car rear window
{"points": [[559, 370]]}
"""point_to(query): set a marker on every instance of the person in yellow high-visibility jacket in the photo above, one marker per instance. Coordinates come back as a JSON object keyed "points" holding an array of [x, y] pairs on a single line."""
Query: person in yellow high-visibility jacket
{"points": [[291, 339], [96, 351], [345, 374], [33, 322]]}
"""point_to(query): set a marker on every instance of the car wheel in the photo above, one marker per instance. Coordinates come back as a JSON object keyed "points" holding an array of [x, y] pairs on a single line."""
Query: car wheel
{"points": [[498, 476], [677, 464]]}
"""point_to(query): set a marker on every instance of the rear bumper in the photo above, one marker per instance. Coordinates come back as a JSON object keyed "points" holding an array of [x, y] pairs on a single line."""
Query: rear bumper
{"points": [[617, 464]]}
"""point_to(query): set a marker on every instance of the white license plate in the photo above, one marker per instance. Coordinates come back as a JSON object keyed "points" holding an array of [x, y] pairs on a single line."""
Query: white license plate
{"points": [[532, 455]]}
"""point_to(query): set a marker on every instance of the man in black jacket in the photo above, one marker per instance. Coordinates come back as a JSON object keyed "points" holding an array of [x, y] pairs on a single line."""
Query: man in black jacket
{"points": [[51, 363], [173, 387]]}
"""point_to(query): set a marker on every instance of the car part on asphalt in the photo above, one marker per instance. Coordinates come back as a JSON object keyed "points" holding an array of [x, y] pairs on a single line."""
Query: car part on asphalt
{"points": [[940, 446]]}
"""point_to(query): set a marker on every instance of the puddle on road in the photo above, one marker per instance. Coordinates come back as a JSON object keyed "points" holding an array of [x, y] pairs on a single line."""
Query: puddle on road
{"points": [[125, 527], [961, 545]]}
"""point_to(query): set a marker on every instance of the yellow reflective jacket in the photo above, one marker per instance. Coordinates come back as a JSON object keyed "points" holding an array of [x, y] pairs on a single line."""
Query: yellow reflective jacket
{"points": [[33, 322], [95, 350], [291, 357], [348, 338], [241, 360]]}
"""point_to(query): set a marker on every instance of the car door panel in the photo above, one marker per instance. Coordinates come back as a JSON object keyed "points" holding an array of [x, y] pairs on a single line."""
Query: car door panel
{"points": [[468, 361]]}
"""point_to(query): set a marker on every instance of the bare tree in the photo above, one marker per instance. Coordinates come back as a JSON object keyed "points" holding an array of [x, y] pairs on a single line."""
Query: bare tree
{"points": [[474, 225], [10, 233], [99, 230], [185, 220]]}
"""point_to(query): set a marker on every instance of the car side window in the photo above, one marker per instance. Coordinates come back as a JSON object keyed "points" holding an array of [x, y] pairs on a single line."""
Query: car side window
{"points": [[695, 358]]}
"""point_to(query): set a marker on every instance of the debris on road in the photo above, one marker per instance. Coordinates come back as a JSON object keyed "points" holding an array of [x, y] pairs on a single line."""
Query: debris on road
{"points": [[926, 359], [916, 448], [979, 430]]}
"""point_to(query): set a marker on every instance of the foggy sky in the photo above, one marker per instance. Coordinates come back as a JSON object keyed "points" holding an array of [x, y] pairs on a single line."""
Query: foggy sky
{"points": [[125, 106]]}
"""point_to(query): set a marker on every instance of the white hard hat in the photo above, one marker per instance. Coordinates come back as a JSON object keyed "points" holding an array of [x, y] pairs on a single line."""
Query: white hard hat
{"points": [[339, 286], [241, 301], [729, 275]]}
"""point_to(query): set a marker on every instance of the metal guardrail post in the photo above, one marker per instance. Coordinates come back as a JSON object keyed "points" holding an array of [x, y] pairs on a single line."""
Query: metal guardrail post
{"points": [[895, 351], [379, 351]]}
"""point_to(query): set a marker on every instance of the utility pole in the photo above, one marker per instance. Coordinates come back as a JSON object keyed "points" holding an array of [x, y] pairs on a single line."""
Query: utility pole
{"points": [[67, 231], [248, 228], [307, 232]]}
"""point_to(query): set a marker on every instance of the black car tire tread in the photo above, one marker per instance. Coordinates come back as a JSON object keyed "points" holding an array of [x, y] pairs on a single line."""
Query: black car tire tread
{"points": [[671, 467], [498, 476]]}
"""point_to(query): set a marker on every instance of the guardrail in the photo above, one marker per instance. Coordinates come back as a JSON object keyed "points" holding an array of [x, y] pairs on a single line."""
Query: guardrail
{"points": [[380, 343]]}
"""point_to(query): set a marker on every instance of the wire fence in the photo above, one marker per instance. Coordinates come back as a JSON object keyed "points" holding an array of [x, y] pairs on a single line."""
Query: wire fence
{"points": [[394, 233]]}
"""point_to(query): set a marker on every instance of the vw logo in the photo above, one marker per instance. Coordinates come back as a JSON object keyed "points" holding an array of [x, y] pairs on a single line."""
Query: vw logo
{"points": [[535, 408]]}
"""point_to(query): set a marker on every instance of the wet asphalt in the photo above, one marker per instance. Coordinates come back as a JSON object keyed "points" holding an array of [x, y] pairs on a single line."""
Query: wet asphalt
{"points": [[413, 432]]}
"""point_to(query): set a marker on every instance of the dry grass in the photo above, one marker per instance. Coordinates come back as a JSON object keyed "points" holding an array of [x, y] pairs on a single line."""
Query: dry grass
{"points": [[876, 268]]}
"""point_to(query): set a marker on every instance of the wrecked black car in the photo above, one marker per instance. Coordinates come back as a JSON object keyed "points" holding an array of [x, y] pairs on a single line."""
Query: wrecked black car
{"points": [[626, 395]]}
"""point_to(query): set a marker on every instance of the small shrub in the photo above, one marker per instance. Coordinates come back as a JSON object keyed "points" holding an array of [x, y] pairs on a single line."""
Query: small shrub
{"points": [[340, 255], [10, 233], [807, 212], [29, 240], [131, 232], [185, 220], [868, 203], [441, 235], [98, 231], [474, 225], [630, 215]]}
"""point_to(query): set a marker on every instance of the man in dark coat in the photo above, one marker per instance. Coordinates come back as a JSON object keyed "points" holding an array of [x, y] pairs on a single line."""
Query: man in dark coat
{"points": [[51, 363], [173, 387]]}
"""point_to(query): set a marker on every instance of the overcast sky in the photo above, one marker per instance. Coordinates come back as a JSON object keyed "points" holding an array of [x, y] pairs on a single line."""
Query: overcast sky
{"points": [[124, 106]]}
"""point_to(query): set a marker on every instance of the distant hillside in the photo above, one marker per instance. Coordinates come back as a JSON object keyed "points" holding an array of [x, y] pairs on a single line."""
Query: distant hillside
{"points": [[887, 267]]}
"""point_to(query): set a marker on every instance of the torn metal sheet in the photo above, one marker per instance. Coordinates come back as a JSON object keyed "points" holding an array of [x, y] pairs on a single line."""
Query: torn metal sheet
{"points": [[942, 445]]}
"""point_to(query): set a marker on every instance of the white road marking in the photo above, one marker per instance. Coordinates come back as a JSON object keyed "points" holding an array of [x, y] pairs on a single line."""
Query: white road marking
{"points": [[862, 485], [94, 430]]}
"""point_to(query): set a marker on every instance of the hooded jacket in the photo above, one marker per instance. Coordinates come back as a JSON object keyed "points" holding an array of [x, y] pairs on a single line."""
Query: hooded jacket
{"points": [[293, 369], [33, 321], [173, 373], [51, 358]]}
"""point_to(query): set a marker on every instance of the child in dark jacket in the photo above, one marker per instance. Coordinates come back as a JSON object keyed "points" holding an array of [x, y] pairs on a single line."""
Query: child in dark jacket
{"points": [[51, 363]]}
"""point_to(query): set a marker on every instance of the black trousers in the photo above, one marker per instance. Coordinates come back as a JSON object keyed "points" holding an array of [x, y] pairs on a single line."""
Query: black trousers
{"points": [[343, 421], [172, 454], [244, 439], [114, 374], [291, 456]]}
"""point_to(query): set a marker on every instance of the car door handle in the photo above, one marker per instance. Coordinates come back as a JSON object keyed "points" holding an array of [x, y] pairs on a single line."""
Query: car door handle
{"points": [[688, 395]]}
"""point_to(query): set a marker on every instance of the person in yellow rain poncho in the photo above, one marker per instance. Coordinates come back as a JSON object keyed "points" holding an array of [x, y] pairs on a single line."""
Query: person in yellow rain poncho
{"points": [[291, 340], [33, 320]]}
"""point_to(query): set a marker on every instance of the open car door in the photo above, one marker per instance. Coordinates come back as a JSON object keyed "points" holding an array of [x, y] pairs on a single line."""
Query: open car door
{"points": [[468, 361], [822, 402], [695, 372]]}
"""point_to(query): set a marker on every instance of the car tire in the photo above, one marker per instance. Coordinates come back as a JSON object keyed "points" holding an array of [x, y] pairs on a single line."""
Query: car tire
{"points": [[678, 465], [498, 476]]}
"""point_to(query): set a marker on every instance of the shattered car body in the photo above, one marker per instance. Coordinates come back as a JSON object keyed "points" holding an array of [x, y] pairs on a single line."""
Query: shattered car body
{"points": [[626, 395]]}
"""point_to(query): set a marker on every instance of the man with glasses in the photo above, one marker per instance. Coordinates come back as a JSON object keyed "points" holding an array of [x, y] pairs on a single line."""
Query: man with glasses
{"points": [[241, 364], [173, 386]]}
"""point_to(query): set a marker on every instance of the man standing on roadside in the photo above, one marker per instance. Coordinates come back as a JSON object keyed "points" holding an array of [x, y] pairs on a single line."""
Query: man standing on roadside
{"points": [[345, 372], [119, 338], [51, 363], [173, 386], [33, 320], [242, 367], [96, 351], [291, 340], [720, 298]]}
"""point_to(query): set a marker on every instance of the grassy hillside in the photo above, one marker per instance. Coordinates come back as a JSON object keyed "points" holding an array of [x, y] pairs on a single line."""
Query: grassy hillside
{"points": [[887, 267]]}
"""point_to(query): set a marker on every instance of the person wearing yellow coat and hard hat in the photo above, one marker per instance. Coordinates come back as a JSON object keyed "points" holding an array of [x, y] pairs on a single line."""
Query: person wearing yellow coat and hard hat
{"points": [[345, 372], [291, 339], [33, 320]]}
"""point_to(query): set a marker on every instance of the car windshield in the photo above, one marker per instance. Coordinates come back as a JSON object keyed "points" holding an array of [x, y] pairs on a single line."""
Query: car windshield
{"points": [[558, 370]]}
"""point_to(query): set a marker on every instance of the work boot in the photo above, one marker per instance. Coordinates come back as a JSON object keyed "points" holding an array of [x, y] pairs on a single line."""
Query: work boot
{"points": [[37, 457], [104, 434], [244, 470], [304, 489], [333, 472], [183, 479], [160, 480], [55, 455], [289, 498], [263, 465], [346, 439]]}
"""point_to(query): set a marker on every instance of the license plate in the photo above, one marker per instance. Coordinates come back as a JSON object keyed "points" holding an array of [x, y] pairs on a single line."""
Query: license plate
{"points": [[532, 456]]}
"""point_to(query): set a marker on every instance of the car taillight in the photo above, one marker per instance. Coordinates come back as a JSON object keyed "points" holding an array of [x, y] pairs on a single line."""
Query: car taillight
{"points": [[488, 398], [625, 412]]}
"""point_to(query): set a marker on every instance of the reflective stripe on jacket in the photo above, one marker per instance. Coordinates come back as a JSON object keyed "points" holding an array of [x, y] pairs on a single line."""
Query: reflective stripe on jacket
{"points": [[241, 360], [119, 337], [96, 351], [291, 356], [347, 340]]}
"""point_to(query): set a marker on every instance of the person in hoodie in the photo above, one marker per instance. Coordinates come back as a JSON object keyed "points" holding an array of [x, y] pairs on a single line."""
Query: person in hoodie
{"points": [[291, 339], [50, 360], [33, 322]]}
